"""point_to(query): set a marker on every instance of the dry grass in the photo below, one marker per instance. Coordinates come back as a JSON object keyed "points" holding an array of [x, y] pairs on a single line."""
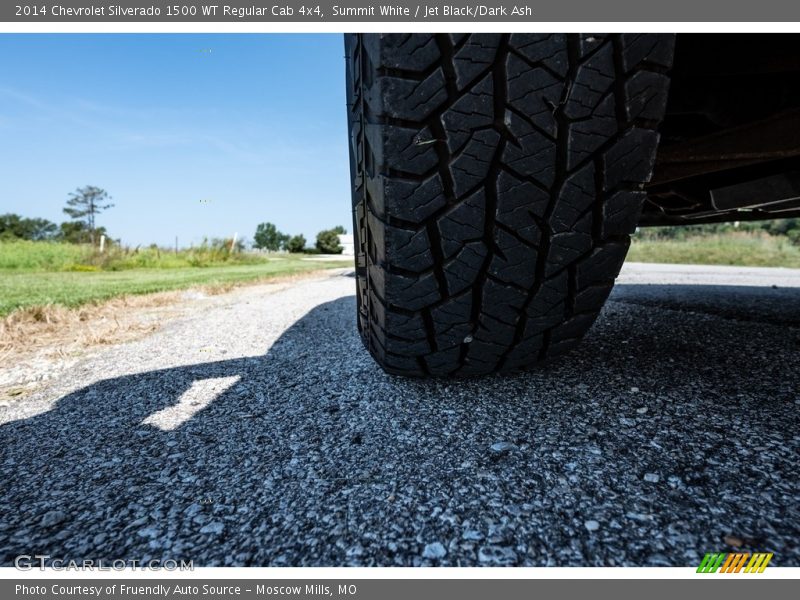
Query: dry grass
{"points": [[57, 335], [67, 329], [61, 331]]}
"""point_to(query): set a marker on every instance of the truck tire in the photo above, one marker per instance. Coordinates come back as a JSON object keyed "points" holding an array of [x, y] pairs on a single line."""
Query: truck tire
{"points": [[496, 179]]}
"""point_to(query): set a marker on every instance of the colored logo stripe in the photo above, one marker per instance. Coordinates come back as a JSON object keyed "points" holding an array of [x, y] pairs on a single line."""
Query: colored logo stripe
{"points": [[758, 563], [711, 562], [733, 562]]}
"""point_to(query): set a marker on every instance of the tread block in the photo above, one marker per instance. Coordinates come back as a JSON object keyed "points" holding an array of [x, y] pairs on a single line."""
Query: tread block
{"points": [[543, 321], [409, 250], [398, 148], [398, 345], [514, 261], [408, 99], [568, 246], [452, 321], [587, 135], [534, 92], [631, 159], [411, 293], [549, 50], [520, 205], [576, 196], [406, 326], [443, 362], [471, 166], [406, 51], [532, 154], [462, 271], [502, 302], [654, 48], [524, 353], [475, 57], [621, 213], [490, 341], [647, 95], [604, 263], [409, 200], [462, 223], [589, 42], [546, 299], [402, 365], [472, 111], [593, 80]]}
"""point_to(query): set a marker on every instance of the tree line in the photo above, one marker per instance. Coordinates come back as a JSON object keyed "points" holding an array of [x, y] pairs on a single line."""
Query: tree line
{"points": [[85, 204], [788, 228], [268, 237]]}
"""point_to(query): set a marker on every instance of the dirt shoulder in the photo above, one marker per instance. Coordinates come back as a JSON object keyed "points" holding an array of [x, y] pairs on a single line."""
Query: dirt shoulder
{"points": [[36, 344]]}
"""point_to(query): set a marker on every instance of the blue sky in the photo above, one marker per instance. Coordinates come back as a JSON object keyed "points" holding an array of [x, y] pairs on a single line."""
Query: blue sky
{"points": [[192, 135]]}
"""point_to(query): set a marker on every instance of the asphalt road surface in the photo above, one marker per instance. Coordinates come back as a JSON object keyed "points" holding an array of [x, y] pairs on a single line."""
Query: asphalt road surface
{"points": [[257, 431]]}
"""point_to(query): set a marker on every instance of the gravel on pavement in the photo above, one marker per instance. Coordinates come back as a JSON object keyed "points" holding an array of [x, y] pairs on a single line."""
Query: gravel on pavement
{"points": [[256, 430]]}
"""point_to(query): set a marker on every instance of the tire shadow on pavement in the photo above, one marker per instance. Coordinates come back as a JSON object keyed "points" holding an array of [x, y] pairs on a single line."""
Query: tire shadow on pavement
{"points": [[668, 434]]}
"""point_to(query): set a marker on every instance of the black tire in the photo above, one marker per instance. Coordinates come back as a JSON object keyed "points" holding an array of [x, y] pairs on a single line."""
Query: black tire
{"points": [[496, 179]]}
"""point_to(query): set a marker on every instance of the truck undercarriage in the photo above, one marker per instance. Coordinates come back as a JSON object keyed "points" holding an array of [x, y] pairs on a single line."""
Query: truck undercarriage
{"points": [[730, 140]]}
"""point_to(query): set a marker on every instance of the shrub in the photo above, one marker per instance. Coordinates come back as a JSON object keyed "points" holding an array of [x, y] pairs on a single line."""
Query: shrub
{"points": [[328, 242], [267, 237], [296, 244]]}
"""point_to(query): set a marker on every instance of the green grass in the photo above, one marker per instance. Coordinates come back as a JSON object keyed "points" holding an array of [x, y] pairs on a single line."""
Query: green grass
{"points": [[29, 256], [738, 249], [22, 255], [41, 273]]}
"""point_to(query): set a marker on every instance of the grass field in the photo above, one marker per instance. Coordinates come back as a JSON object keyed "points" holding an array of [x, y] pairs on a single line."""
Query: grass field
{"points": [[21, 255], [45, 273], [41, 274], [738, 249]]}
